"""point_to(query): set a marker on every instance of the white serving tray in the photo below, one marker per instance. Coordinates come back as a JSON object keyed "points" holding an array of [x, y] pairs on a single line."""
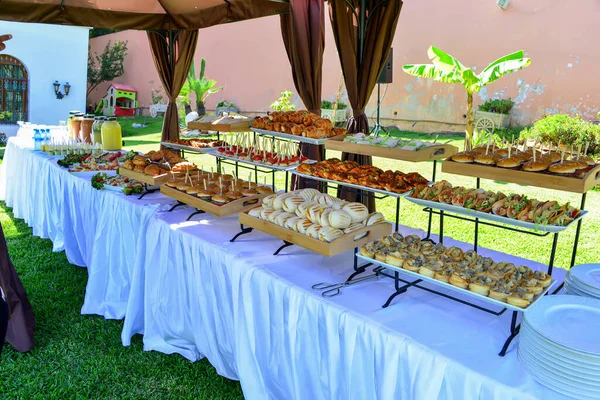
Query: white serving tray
{"points": [[445, 285], [199, 150], [493, 217], [257, 164], [350, 185], [290, 137]]}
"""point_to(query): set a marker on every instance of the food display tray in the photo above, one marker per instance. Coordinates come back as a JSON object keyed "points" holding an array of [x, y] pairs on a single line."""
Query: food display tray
{"points": [[191, 149], [147, 179], [430, 153], [339, 245], [288, 136], [233, 207], [350, 185], [215, 153], [538, 179], [243, 126], [493, 217], [445, 285]]}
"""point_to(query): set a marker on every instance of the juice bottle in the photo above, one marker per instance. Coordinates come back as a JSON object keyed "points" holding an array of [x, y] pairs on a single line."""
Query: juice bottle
{"points": [[86, 128], [76, 124], [97, 130], [70, 123], [111, 135]]}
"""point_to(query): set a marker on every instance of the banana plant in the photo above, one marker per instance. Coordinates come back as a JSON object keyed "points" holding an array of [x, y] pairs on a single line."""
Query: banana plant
{"points": [[201, 86], [445, 68]]}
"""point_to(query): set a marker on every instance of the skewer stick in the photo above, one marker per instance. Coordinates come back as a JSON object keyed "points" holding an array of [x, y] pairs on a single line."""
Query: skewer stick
{"points": [[205, 185], [587, 144], [509, 149], [578, 152], [562, 157], [534, 152]]}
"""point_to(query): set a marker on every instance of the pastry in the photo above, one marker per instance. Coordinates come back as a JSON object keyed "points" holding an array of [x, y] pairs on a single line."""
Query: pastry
{"points": [[255, 212], [329, 234], [430, 267], [413, 263], [302, 225], [313, 231], [374, 218], [357, 211], [152, 170], [339, 219], [290, 203], [481, 285], [354, 227]]}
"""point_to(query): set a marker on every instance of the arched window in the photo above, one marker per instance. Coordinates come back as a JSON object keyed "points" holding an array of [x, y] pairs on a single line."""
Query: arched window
{"points": [[13, 90]]}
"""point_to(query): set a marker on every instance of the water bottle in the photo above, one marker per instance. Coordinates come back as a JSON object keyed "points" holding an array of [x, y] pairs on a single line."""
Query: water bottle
{"points": [[37, 140]]}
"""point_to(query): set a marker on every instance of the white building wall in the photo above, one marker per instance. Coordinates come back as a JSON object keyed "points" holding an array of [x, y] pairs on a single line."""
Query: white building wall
{"points": [[49, 53]]}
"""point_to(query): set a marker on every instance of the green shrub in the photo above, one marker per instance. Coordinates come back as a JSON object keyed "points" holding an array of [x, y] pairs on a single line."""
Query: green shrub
{"points": [[568, 130], [326, 105], [329, 105], [508, 134], [500, 106]]}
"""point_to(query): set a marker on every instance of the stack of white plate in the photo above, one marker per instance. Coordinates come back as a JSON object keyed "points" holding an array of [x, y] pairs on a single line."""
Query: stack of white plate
{"points": [[559, 344], [583, 280]]}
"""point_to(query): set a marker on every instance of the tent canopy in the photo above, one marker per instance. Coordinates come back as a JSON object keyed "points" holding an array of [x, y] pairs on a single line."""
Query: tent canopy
{"points": [[139, 14]]}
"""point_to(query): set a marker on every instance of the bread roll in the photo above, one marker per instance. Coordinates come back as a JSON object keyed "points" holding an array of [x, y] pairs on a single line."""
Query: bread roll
{"points": [[282, 218], [329, 234], [272, 217], [265, 212], [354, 227], [313, 231], [291, 203], [339, 219], [255, 212], [268, 201], [292, 223], [309, 194], [302, 225], [324, 217], [338, 205], [374, 218], [314, 213], [279, 199], [358, 211]]}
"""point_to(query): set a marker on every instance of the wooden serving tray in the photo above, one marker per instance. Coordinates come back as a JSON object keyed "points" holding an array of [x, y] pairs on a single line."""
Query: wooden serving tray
{"points": [[538, 179], [294, 138], [147, 179], [242, 126], [338, 246], [233, 207], [436, 152]]}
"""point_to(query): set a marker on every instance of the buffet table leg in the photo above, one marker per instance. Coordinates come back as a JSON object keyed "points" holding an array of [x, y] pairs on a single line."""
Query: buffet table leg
{"points": [[431, 214], [577, 230], [398, 213], [179, 203], [242, 232], [195, 213], [514, 331], [476, 240], [283, 246], [553, 253], [146, 191]]}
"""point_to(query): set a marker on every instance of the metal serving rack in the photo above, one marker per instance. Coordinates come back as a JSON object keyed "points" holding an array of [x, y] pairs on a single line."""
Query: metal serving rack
{"points": [[411, 279]]}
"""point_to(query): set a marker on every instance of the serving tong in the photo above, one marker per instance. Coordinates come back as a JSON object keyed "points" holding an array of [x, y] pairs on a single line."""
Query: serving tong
{"points": [[334, 289]]}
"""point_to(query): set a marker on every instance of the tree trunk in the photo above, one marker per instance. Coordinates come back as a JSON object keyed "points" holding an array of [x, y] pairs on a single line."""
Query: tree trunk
{"points": [[469, 132], [187, 108], [200, 109]]}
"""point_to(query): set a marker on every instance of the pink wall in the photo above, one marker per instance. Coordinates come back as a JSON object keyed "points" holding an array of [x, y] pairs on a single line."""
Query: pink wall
{"points": [[249, 60]]}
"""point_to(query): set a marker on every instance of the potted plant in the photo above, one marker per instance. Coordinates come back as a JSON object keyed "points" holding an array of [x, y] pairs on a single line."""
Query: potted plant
{"points": [[184, 98], [225, 106], [334, 111], [201, 86], [445, 68], [497, 110], [283, 103]]}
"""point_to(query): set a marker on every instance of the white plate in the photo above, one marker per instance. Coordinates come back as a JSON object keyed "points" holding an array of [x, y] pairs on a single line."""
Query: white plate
{"points": [[580, 289], [555, 382], [289, 136], [561, 355], [570, 321], [455, 288], [350, 185], [588, 274], [492, 217]]}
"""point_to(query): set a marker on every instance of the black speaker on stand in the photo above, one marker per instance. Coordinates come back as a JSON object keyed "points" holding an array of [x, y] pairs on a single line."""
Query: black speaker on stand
{"points": [[385, 77]]}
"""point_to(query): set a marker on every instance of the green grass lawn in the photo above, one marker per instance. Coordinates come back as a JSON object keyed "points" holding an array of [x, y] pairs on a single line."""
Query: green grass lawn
{"points": [[83, 355]]}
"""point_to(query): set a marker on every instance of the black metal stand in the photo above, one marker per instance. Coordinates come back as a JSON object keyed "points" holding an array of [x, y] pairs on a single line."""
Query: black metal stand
{"points": [[378, 128], [197, 212], [178, 204], [146, 191], [283, 246], [243, 231], [254, 168], [514, 331]]}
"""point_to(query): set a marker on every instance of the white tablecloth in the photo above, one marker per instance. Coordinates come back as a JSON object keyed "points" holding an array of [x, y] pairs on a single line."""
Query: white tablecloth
{"points": [[97, 229], [254, 315]]}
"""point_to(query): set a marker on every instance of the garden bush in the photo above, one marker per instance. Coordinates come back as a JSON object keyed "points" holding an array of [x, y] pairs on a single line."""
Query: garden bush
{"points": [[568, 130], [500, 106]]}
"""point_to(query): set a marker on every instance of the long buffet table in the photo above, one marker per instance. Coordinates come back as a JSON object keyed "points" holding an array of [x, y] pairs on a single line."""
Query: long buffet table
{"points": [[190, 291]]}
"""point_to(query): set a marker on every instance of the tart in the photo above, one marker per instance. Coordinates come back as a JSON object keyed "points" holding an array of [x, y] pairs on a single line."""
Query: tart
{"points": [[429, 268], [481, 285], [368, 250], [444, 274], [543, 278], [414, 263], [518, 299], [499, 293]]}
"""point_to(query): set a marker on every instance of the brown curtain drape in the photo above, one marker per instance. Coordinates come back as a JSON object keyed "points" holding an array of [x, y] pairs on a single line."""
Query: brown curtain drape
{"points": [[303, 31], [21, 321], [172, 73], [361, 69]]}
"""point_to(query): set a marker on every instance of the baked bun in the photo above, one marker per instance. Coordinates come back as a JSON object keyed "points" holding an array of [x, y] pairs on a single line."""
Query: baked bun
{"points": [[279, 199], [233, 195], [314, 213], [290, 203], [565, 167], [354, 227], [509, 162], [358, 211], [192, 190], [264, 190], [152, 170], [313, 231], [339, 219], [309, 194], [463, 157], [552, 157], [338, 205], [272, 217], [292, 223], [486, 159], [255, 212], [282, 218], [302, 225], [265, 212], [324, 217], [139, 160], [329, 234], [268, 201], [536, 166], [374, 218], [302, 208], [219, 199]]}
